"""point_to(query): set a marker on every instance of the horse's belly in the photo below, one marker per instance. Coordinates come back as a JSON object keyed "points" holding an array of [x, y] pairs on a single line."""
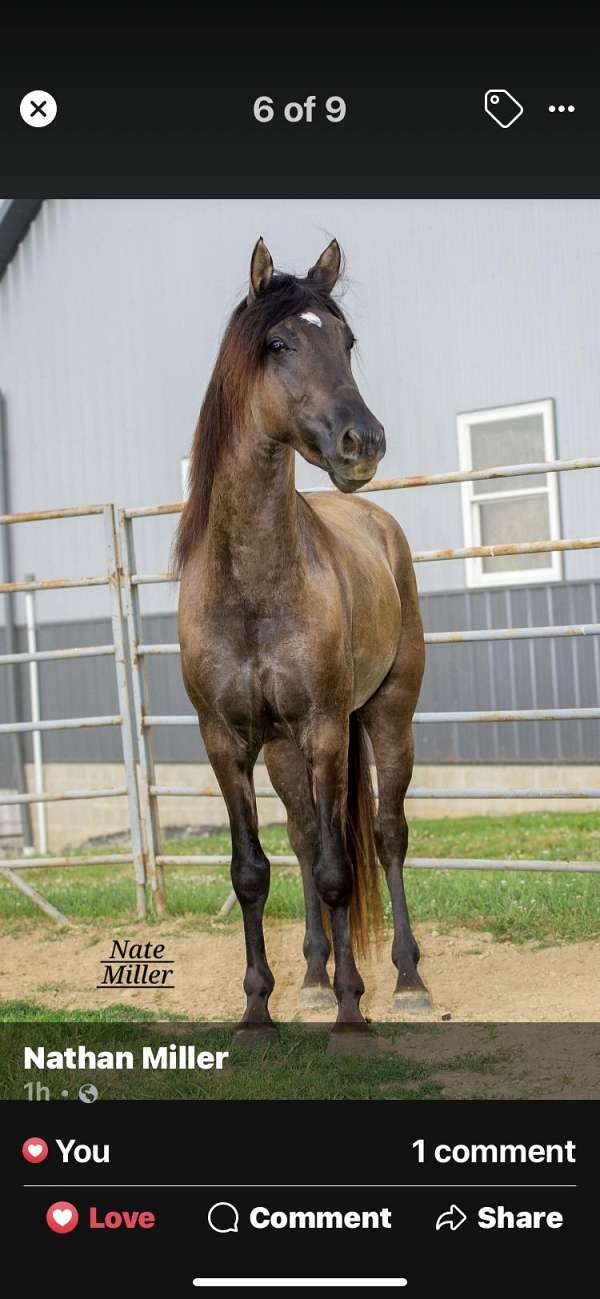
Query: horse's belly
{"points": [[376, 627], [369, 674]]}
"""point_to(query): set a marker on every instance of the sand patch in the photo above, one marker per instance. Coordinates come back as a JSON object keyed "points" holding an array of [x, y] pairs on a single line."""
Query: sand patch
{"points": [[470, 976]]}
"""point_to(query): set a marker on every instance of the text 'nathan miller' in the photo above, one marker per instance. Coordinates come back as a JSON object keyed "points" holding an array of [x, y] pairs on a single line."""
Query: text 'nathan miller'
{"points": [[174, 1056]]}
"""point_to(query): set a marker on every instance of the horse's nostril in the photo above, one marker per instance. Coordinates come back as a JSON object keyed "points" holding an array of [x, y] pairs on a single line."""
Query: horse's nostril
{"points": [[350, 445]]}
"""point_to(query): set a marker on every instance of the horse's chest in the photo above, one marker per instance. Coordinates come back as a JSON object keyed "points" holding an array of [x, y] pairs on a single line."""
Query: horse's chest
{"points": [[259, 669], [264, 691]]}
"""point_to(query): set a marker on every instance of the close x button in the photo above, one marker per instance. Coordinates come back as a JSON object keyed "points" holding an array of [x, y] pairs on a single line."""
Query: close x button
{"points": [[38, 108]]}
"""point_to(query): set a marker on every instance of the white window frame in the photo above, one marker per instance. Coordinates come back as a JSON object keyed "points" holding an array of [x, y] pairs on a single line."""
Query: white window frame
{"points": [[475, 573]]}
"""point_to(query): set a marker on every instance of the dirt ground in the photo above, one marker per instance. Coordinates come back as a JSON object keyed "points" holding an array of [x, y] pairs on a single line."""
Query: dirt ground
{"points": [[471, 977]]}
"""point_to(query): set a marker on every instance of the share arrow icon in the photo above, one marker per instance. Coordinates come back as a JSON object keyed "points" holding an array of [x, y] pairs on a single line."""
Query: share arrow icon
{"points": [[452, 1218]]}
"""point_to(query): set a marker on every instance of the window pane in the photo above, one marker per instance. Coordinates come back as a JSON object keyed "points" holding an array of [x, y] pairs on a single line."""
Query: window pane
{"points": [[526, 519], [512, 441]]}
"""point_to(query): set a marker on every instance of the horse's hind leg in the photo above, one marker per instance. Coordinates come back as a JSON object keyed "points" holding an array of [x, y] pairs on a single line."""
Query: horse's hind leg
{"points": [[388, 720], [289, 775]]}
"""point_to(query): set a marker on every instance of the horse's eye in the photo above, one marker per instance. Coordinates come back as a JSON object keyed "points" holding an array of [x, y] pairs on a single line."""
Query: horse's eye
{"points": [[276, 345], [351, 343]]}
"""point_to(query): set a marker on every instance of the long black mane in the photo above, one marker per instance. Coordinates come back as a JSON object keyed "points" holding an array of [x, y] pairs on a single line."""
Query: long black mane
{"points": [[240, 359]]}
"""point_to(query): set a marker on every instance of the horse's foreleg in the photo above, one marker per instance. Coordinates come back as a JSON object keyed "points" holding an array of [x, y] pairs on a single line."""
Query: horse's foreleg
{"points": [[289, 774], [332, 871], [233, 764]]}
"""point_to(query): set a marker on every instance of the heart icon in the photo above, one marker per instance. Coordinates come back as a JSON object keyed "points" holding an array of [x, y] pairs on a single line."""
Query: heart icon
{"points": [[62, 1217], [34, 1150]]}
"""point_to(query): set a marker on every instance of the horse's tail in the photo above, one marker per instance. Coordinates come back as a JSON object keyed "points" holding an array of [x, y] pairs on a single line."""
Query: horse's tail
{"points": [[366, 912]]}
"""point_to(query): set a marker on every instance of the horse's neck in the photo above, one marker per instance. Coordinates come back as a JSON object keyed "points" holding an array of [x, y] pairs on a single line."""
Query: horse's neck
{"points": [[253, 535]]}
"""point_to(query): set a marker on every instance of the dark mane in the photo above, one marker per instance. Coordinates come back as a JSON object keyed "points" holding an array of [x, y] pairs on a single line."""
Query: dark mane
{"points": [[240, 359]]}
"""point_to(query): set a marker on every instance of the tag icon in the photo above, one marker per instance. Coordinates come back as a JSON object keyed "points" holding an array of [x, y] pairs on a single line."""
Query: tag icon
{"points": [[502, 107]]}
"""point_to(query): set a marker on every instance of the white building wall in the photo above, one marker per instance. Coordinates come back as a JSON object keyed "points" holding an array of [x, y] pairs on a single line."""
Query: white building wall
{"points": [[110, 316]]}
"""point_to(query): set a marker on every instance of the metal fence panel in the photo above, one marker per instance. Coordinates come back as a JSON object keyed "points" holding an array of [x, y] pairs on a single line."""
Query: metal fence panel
{"points": [[524, 676], [123, 720], [84, 684]]}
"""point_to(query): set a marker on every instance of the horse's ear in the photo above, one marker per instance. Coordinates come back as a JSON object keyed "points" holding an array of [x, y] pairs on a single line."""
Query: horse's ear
{"points": [[326, 271], [261, 270]]}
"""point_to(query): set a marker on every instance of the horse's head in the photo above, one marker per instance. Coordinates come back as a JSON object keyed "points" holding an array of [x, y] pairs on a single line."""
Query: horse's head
{"points": [[306, 395]]}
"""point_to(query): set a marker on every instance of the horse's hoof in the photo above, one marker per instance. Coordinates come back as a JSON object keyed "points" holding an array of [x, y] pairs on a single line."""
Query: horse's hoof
{"points": [[256, 1035], [352, 1040], [317, 998], [415, 1002]]}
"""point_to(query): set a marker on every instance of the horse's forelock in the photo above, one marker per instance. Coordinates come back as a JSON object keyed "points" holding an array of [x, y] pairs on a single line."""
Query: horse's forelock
{"points": [[287, 295]]}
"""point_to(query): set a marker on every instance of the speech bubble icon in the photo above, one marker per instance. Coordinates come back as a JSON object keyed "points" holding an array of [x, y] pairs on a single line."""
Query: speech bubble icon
{"points": [[223, 1217]]}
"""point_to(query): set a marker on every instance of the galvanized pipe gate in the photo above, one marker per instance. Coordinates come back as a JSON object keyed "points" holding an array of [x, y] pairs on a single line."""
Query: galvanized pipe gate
{"points": [[111, 578], [136, 721]]}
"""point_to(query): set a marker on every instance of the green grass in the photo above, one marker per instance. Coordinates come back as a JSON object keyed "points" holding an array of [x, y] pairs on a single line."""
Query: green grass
{"points": [[295, 1067], [513, 906], [30, 1012]]}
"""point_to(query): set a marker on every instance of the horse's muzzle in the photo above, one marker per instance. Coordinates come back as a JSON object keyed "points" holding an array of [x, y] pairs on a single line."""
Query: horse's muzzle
{"points": [[359, 446], [350, 482], [358, 454]]}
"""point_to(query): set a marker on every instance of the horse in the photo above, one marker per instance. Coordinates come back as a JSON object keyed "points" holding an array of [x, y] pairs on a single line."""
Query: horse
{"points": [[300, 632]]}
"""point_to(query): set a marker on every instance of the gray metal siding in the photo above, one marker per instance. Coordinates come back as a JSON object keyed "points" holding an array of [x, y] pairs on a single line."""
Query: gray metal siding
{"points": [[518, 674], [512, 674], [111, 311]]}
